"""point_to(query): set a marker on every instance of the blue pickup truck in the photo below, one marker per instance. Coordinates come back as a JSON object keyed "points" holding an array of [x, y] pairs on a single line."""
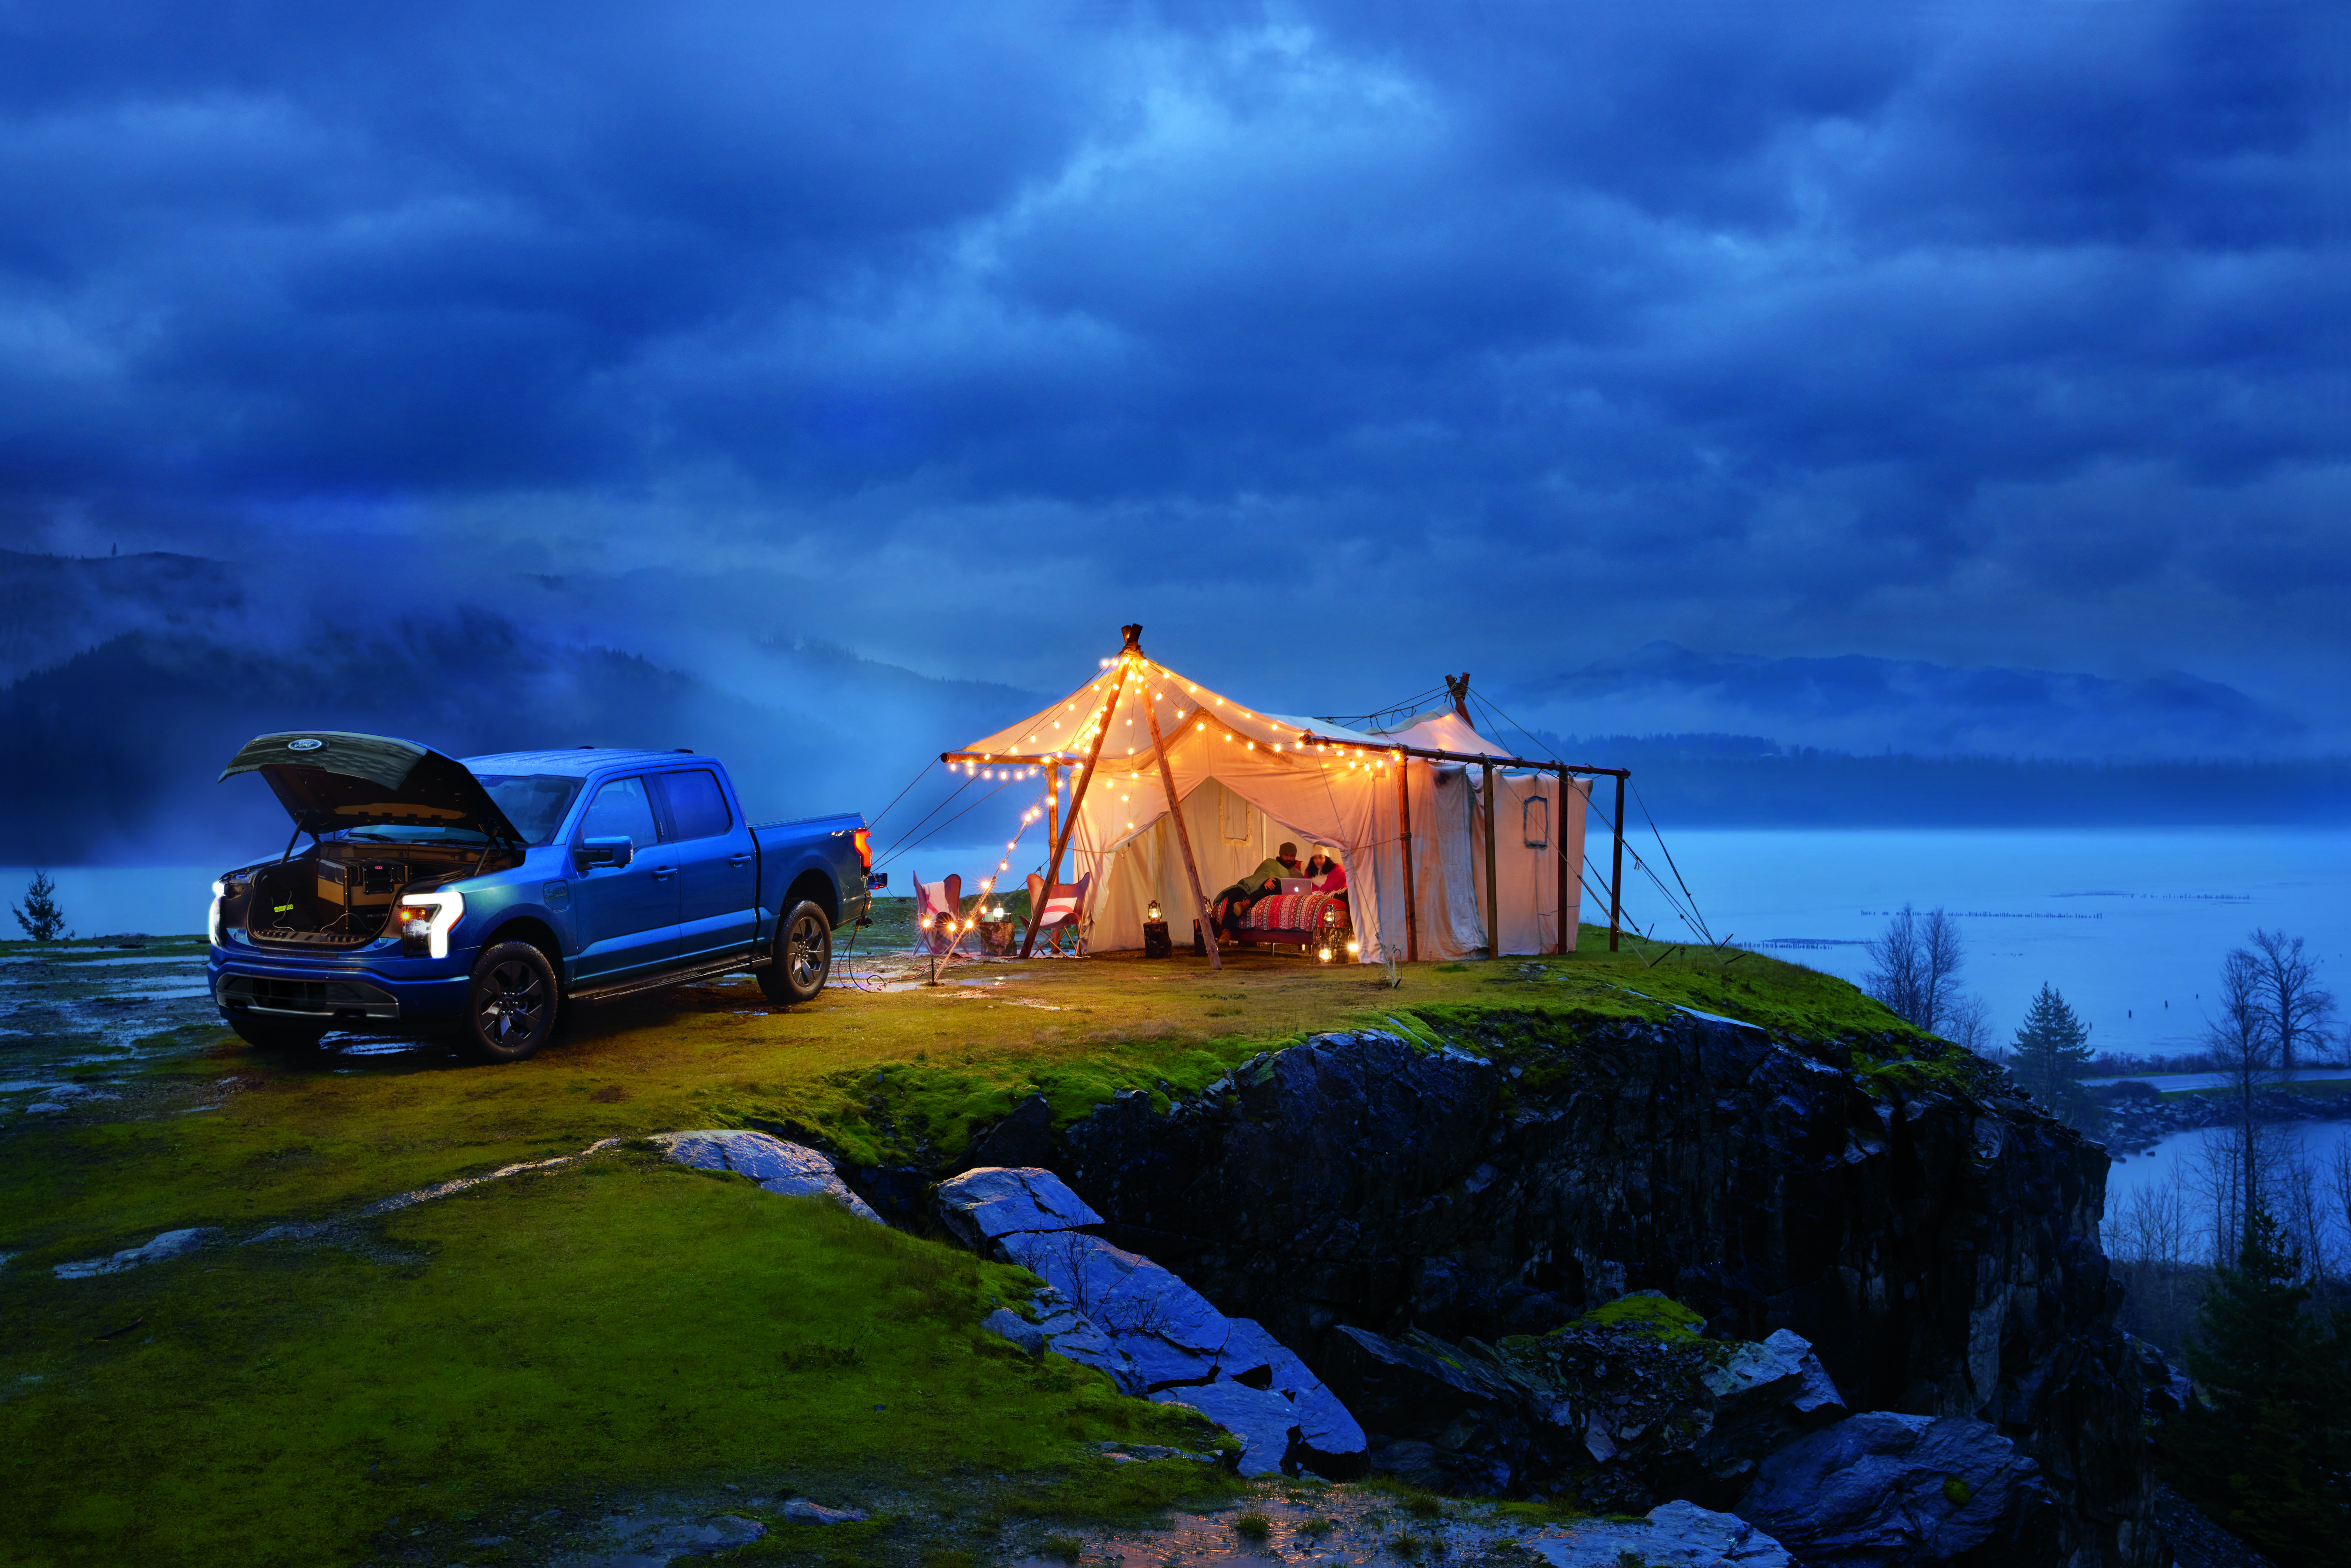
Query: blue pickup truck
{"points": [[482, 897]]}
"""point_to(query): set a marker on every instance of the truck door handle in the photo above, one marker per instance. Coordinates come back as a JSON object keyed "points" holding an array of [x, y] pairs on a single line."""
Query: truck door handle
{"points": [[738, 860], [663, 872]]}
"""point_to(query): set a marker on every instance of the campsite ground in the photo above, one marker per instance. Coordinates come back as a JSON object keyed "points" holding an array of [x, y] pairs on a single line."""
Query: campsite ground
{"points": [[480, 1378]]}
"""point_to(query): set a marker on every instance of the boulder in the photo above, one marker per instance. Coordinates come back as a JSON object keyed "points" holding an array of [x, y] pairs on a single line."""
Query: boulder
{"points": [[1105, 1307], [991, 1201], [788, 1168], [1674, 1535], [1889, 1491]]}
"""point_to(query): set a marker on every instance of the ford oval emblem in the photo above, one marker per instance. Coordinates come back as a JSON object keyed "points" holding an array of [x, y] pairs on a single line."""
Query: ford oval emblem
{"points": [[305, 745]]}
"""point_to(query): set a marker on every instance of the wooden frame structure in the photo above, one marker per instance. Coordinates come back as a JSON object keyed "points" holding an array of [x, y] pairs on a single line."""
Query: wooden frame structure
{"points": [[1565, 770]]}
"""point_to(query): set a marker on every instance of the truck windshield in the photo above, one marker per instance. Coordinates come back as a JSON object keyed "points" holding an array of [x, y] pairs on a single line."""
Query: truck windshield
{"points": [[533, 802]]}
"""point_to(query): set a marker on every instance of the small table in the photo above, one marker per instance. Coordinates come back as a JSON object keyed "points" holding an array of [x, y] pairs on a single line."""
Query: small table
{"points": [[1154, 939]]}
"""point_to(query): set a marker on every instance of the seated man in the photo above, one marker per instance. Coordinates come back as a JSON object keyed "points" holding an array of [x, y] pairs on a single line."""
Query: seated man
{"points": [[1238, 899]]}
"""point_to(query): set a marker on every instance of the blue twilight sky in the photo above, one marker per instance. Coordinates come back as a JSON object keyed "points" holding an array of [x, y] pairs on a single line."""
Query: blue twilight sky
{"points": [[1338, 344]]}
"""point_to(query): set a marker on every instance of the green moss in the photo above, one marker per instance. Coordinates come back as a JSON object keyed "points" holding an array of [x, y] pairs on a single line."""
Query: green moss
{"points": [[1660, 1317], [279, 1402], [1959, 1492]]}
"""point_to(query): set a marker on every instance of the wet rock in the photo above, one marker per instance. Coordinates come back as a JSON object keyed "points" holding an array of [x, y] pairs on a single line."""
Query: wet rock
{"points": [[1889, 1491], [170, 1244], [791, 1169], [637, 1542], [991, 1201], [801, 1511], [1674, 1535]]}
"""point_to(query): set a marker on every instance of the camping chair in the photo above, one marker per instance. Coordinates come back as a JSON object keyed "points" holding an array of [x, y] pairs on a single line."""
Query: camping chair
{"points": [[1065, 909], [933, 900]]}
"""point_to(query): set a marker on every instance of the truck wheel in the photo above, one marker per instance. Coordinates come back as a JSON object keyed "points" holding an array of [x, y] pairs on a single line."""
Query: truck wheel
{"points": [[803, 956], [510, 1006], [269, 1034]]}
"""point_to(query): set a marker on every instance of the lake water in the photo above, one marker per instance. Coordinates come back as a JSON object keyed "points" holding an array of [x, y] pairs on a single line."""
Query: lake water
{"points": [[2130, 925]]}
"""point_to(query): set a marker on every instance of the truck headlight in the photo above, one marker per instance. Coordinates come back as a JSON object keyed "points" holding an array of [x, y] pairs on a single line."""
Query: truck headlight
{"points": [[428, 917], [214, 924]]}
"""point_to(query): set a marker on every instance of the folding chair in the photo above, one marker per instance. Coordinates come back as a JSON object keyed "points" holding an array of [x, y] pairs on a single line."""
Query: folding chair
{"points": [[1065, 909], [938, 905]]}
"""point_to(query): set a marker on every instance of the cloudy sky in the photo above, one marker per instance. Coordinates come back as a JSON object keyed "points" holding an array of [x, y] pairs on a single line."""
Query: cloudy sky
{"points": [[1359, 343]]}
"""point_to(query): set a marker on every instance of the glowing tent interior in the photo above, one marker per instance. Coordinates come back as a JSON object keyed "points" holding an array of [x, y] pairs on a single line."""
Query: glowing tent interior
{"points": [[1411, 814]]}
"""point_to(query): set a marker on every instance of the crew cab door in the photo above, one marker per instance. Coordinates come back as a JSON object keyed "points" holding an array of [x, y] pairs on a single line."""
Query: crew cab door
{"points": [[717, 865], [626, 915]]}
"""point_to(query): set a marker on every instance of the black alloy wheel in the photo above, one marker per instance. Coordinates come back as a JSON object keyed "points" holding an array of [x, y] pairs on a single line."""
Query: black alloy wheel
{"points": [[270, 1034], [510, 1006], [803, 956]]}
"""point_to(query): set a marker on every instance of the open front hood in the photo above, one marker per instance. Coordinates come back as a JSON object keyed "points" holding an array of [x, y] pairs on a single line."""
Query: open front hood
{"points": [[329, 780]]}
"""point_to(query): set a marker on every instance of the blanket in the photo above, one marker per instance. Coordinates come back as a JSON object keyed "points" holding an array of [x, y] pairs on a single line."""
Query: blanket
{"points": [[1296, 912]]}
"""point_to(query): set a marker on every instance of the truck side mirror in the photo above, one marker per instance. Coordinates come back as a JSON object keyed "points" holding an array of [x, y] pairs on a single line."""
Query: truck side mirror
{"points": [[616, 852]]}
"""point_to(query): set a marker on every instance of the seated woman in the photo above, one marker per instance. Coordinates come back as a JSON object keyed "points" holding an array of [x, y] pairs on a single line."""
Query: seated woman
{"points": [[1323, 862]]}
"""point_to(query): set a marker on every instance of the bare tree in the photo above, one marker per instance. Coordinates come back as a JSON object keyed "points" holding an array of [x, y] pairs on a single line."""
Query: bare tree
{"points": [[2149, 1237], [1917, 961], [2245, 1046], [1967, 1022], [2338, 1195], [2296, 1006]]}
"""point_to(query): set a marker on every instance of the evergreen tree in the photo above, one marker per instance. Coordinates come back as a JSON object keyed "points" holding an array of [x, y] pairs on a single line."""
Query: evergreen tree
{"points": [[42, 919], [2052, 1050], [2266, 1448]]}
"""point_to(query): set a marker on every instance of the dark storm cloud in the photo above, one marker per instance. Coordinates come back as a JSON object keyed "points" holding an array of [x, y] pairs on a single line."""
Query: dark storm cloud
{"points": [[1983, 332]]}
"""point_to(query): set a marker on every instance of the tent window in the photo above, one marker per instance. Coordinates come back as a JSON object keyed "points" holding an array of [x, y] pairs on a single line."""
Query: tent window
{"points": [[1233, 815], [1536, 818]]}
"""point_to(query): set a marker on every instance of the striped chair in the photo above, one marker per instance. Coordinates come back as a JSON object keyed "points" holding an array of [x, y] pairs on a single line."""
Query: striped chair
{"points": [[933, 900], [1065, 909]]}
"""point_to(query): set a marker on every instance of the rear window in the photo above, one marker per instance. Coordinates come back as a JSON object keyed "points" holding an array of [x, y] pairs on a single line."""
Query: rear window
{"points": [[697, 807], [533, 802]]}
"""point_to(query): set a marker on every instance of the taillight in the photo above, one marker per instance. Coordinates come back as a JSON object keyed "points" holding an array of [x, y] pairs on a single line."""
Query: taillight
{"points": [[864, 839]]}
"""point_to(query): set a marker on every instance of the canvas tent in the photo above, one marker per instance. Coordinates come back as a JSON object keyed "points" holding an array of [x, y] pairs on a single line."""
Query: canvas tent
{"points": [[1448, 843]]}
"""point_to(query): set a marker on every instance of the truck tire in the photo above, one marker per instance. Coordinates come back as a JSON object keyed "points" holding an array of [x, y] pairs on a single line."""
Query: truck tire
{"points": [[269, 1034], [511, 1003], [803, 958]]}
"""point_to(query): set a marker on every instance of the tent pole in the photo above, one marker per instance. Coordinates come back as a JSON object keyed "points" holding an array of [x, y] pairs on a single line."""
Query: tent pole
{"points": [[1616, 870], [1078, 793], [1559, 843], [1052, 801], [1493, 895], [1404, 828], [1182, 834]]}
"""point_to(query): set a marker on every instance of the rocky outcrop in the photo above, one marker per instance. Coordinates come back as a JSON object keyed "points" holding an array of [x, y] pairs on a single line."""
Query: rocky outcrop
{"points": [[1933, 1237], [1155, 1336]]}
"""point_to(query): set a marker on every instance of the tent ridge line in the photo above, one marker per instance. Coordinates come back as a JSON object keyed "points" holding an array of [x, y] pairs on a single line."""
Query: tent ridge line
{"points": [[1310, 738]]}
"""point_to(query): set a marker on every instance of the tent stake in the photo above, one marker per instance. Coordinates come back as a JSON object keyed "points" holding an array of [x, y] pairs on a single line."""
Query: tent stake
{"points": [[1404, 828], [1182, 834], [1493, 893], [1078, 793]]}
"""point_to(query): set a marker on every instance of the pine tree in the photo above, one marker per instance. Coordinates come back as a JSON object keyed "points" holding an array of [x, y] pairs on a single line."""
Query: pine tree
{"points": [[2053, 1048], [42, 919], [2266, 1448]]}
